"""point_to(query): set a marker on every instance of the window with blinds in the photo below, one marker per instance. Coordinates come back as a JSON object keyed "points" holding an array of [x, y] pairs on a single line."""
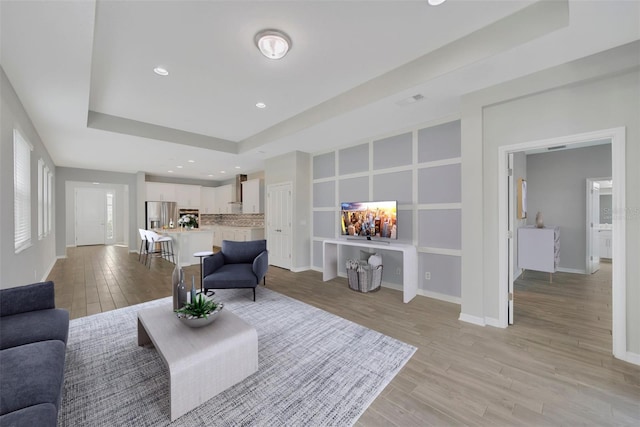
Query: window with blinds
{"points": [[21, 192], [41, 196]]}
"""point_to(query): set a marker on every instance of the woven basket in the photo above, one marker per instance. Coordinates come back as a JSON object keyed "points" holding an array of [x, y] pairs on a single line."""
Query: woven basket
{"points": [[364, 278]]}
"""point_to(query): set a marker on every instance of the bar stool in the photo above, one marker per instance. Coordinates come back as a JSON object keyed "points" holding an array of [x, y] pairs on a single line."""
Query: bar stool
{"points": [[201, 255], [166, 246], [143, 245]]}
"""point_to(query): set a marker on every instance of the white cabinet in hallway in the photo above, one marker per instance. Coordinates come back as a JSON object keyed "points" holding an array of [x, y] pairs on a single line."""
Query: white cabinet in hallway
{"points": [[605, 243], [539, 249]]}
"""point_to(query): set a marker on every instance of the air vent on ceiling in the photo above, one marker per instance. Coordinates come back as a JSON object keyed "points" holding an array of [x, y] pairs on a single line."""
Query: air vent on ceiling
{"points": [[410, 100], [557, 147]]}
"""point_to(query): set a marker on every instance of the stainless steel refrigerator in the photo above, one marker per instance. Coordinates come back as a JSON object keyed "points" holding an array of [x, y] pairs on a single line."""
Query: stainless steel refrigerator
{"points": [[161, 214]]}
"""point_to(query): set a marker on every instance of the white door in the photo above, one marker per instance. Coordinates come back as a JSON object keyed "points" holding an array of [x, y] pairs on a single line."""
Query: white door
{"points": [[593, 223], [510, 233], [90, 216], [279, 214]]}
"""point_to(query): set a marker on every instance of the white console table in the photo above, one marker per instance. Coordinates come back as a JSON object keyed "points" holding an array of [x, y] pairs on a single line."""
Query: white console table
{"points": [[409, 261]]}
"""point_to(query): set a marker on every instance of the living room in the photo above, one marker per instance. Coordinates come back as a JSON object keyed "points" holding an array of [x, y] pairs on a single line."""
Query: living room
{"points": [[591, 86]]}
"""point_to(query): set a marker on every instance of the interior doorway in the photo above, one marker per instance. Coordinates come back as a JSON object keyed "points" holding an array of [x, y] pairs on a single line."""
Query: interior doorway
{"points": [[90, 216], [278, 221], [95, 218], [506, 221]]}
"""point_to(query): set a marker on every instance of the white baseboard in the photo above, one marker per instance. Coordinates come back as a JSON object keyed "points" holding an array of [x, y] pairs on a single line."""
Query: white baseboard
{"points": [[492, 321], [472, 319], [318, 269], [632, 358], [439, 296], [61, 257], [572, 270], [44, 278], [300, 269]]}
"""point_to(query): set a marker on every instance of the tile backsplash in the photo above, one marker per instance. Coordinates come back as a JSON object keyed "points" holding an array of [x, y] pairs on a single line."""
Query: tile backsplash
{"points": [[233, 220]]}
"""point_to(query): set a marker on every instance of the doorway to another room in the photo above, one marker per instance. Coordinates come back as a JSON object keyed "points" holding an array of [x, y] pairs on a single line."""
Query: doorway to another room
{"points": [[575, 283]]}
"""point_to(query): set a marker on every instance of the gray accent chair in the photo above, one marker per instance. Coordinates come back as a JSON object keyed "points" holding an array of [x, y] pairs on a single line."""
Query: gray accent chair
{"points": [[33, 338], [237, 265]]}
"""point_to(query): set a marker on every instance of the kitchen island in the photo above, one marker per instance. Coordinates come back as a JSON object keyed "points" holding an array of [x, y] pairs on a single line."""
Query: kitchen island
{"points": [[187, 242]]}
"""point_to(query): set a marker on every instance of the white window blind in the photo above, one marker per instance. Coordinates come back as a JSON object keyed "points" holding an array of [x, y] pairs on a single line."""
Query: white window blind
{"points": [[41, 195], [21, 191], [49, 218]]}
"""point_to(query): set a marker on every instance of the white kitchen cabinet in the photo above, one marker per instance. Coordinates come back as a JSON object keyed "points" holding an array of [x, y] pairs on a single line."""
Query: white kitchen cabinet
{"points": [[223, 196], [252, 196], [238, 234], [228, 234], [208, 200], [217, 236], [188, 196], [605, 237], [160, 192], [539, 248]]}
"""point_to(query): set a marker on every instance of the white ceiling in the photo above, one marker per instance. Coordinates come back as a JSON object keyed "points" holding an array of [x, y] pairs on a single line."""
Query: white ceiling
{"points": [[83, 71]]}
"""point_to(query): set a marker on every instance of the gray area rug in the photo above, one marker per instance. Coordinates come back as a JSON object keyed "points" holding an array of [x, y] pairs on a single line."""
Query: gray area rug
{"points": [[314, 369]]}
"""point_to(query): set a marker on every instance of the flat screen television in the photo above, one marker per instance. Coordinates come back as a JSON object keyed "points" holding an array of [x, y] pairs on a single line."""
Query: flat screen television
{"points": [[370, 220]]}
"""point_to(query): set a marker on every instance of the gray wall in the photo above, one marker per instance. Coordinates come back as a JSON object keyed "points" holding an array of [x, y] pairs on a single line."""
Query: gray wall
{"points": [[34, 263], [427, 188], [593, 93], [557, 188]]}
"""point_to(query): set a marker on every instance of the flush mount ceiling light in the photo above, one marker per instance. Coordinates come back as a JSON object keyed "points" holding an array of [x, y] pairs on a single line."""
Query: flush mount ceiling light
{"points": [[261, 105], [273, 44], [435, 2], [161, 71]]}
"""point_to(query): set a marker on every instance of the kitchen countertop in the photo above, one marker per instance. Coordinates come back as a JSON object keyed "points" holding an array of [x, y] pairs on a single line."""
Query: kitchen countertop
{"points": [[248, 227], [180, 230]]}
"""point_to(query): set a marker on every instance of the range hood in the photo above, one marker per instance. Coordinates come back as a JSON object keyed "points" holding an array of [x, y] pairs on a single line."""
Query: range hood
{"points": [[238, 184]]}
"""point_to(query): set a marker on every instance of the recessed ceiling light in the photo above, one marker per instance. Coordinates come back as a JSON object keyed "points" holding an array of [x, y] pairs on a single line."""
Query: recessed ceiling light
{"points": [[238, 167], [179, 167], [210, 174], [435, 2], [191, 161], [273, 44], [223, 172], [170, 171], [261, 105], [161, 71], [96, 183]]}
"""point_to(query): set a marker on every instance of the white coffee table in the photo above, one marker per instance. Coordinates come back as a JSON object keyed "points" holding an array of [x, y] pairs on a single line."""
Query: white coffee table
{"points": [[203, 361]]}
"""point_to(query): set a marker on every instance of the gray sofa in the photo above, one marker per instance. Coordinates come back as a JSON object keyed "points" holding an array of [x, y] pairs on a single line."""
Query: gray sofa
{"points": [[33, 339], [237, 265]]}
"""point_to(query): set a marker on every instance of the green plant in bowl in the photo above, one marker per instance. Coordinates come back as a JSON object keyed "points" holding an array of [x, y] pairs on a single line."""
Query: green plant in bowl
{"points": [[199, 312]]}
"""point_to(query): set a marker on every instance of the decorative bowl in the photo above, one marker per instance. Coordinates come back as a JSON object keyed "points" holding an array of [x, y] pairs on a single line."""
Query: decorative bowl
{"points": [[198, 322]]}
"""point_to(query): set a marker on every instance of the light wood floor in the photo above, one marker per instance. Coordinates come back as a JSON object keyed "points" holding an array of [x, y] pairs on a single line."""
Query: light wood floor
{"points": [[553, 367]]}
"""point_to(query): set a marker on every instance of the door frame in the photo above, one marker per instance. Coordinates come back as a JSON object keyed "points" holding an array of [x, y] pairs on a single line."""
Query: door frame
{"points": [[588, 227], [618, 175]]}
